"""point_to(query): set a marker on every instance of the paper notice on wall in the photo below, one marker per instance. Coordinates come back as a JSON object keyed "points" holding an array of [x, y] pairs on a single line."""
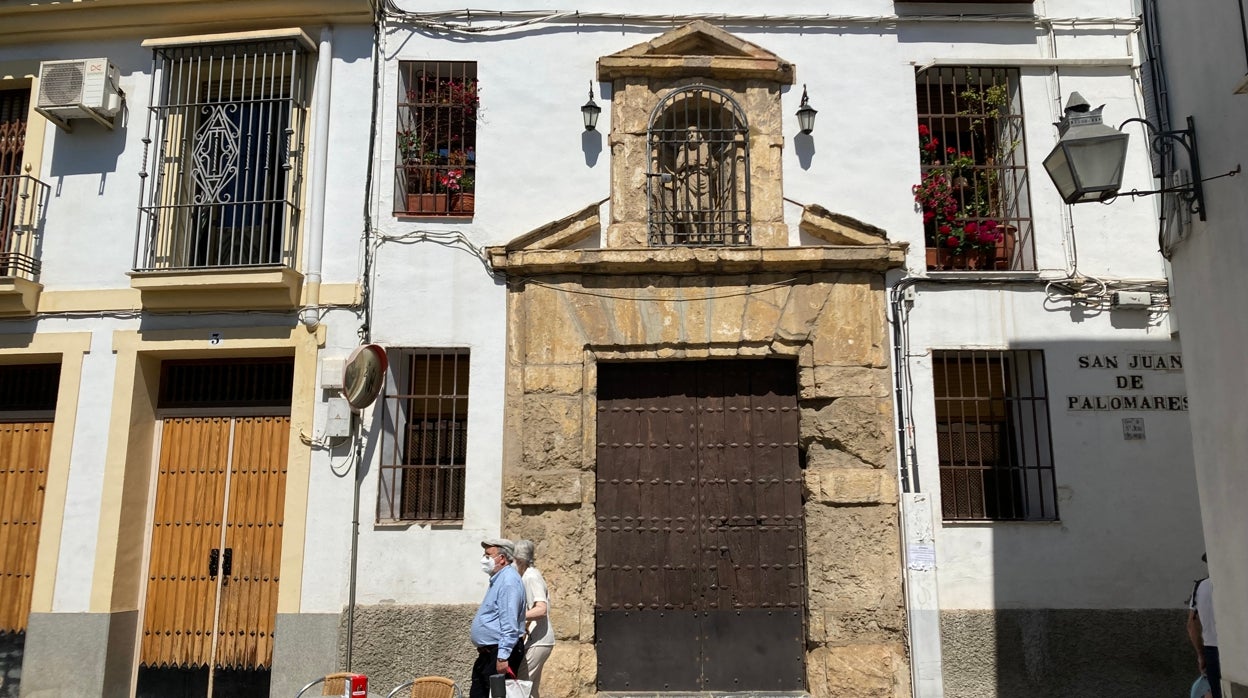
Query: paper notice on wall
{"points": [[921, 558]]}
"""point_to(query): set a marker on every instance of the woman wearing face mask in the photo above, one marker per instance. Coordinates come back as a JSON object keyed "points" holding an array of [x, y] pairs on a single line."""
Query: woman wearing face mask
{"points": [[541, 638]]}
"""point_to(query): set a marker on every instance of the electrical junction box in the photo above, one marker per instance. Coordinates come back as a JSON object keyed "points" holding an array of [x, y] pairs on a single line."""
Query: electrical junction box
{"points": [[1131, 299], [331, 373], [337, 418]]}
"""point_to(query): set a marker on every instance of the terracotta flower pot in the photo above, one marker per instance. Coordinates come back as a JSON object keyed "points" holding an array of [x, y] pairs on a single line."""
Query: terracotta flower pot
{"points": [[463, 202], [427, 203]]}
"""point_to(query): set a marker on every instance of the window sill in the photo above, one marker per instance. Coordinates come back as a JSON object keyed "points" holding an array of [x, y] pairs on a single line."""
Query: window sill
{"points": [[228, 288], [976, 523], [402, 525]]}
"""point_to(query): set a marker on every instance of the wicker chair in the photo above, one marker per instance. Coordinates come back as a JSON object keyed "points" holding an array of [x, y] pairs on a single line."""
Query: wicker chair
{"points": [[331, 685], [426, 687]]}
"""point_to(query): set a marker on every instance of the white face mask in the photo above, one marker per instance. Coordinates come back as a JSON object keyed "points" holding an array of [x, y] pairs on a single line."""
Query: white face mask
{"points": [[487, 564]]}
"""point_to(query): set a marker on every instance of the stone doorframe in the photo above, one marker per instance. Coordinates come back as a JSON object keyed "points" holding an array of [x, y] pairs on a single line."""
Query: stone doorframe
{"points": [[569, 309]]}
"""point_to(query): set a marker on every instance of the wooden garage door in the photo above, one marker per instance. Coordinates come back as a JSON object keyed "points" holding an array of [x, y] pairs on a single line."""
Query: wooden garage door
{"points": [[700, 574], [27, 401]]}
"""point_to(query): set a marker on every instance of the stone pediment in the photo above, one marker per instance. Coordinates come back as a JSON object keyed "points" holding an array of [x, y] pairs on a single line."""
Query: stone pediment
{"points": [[696, 49], [854, 246]]}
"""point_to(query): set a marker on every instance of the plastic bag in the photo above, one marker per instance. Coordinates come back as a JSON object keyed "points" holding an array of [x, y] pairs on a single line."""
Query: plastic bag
{"points": [[1200, 688], [518, 688]]}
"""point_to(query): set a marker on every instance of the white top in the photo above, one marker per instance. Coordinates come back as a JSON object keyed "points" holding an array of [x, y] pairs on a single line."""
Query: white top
{"points": [[542, 633], [1202, 603]]}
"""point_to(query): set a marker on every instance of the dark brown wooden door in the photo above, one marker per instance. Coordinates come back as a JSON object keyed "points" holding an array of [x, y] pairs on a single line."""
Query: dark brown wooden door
{"points": [[700, 573]]}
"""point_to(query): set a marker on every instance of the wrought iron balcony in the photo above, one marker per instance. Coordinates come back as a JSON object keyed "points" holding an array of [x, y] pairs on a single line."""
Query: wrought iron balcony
{"points": [[22, 207]]}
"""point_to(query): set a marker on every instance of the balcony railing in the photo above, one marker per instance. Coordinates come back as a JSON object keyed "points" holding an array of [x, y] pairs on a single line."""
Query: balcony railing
{"points": [[22, 206]]}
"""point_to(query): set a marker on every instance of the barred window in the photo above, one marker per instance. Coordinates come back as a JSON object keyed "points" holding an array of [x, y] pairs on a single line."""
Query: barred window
{"points": [[992, 436], [425, 439], [435, 169], [698, 185], [973, 187], [225, 146], [21, 195]]}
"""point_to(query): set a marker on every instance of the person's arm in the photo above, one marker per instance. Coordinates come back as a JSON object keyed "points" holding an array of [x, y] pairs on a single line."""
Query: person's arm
{"points": [[510, 600], [538, 610], [1194, 631]]}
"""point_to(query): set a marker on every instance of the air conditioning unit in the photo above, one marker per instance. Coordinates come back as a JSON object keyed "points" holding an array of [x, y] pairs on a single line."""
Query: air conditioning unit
{"points": [[79, 89]]}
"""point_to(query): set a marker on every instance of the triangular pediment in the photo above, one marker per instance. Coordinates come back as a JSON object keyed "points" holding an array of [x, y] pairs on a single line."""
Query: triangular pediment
{"points": [[696, 49]]}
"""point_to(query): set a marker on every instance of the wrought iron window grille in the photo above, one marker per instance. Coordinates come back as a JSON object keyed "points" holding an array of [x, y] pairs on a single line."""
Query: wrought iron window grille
{"points": [[698, 178], [425, 437], [974, 181], [435, 164], [222, 177], [993, 436]]}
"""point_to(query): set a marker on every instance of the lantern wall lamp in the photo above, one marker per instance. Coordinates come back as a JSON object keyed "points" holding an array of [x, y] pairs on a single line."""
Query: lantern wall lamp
{"points": [[591, 110], [1087, 162], [806, 114]]}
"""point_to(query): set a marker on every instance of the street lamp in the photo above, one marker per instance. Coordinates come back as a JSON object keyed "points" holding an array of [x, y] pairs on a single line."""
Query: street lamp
{"points": [[1087, 162], [806, 114], [591, 110]]}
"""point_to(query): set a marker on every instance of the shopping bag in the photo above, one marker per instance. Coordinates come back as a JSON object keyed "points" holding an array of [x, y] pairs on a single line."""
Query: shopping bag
{"points": [[1200, 688], [518, 688]]}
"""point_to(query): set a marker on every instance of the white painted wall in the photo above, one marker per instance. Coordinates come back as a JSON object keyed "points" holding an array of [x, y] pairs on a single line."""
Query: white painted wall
{"points": [[1210, 288]]}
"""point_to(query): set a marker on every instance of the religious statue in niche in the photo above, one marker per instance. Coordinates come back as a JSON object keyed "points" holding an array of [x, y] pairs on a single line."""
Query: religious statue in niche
{"points": [[694, 179]]}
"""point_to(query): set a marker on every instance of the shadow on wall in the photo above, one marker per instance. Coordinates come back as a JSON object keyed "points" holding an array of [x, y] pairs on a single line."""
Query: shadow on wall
{"points": [[1084, 508]]}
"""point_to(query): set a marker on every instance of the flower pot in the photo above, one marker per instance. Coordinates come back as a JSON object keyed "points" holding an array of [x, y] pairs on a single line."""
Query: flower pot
{"points": [[463, 202], [427, 203], [1004, 252]]}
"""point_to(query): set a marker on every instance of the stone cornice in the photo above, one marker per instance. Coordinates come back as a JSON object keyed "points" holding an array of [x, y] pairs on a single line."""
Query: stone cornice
{"points": [[700, 260]]}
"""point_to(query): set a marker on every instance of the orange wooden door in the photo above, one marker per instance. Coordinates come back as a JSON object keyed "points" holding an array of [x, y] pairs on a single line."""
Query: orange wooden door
{"points": [[216, 543], [253, 538], [24, 449]]}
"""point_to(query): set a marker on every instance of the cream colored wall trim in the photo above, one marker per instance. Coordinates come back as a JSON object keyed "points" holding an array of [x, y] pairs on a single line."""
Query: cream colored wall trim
{"points": [[130, 299], [117, 584], [67, 348]]}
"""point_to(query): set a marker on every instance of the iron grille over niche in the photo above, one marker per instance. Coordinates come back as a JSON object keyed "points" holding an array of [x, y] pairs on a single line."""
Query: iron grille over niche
{"points": [[225, 146], [698, 184], [425, 438], [992, 436]]}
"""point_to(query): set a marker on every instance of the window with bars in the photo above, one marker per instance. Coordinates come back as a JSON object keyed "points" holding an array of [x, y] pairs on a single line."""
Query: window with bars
{"points": [[435, 169], [424, 443], [973, 187], [993, 437], [225, 133], [698, 184]]}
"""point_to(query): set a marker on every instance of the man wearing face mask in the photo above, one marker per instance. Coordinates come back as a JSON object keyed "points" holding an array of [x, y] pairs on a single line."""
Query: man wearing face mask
{"points": [[498, 628]]}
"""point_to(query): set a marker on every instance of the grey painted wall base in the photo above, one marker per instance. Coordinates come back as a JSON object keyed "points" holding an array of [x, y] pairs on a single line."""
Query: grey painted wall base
{"points": [[394, 644], [79, 654], [305, 647], [11, 647], [1061, 653]]}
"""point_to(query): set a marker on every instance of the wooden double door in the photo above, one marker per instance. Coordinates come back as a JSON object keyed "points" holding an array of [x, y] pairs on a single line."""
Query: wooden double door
{"points": [[700, 571], [215, 554]]}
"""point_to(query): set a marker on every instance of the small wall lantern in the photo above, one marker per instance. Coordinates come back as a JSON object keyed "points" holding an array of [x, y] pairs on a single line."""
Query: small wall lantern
{"points": [[591, 110], [806, 113]]}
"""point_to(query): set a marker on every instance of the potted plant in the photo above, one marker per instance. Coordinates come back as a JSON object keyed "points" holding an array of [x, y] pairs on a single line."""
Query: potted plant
{"points": [[959, 201]]}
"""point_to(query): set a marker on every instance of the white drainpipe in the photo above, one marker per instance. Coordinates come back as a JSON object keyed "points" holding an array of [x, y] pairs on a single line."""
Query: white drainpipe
{"points": [[310, 315]]}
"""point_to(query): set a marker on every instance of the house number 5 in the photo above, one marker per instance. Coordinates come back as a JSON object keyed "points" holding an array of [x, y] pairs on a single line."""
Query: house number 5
{"points": [[214, 339]]}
